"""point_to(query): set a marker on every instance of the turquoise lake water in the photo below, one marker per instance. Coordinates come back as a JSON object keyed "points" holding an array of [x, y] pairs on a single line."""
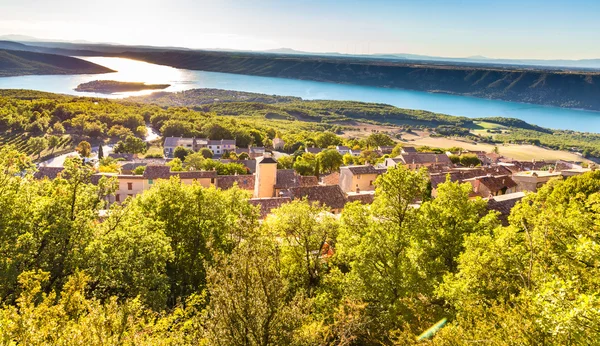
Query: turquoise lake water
{"points": [[136, 71]]}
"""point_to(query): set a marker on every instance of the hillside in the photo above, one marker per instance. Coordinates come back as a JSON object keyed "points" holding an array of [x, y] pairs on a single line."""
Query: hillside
{"points": [[569, 87], [531, 85], [16, 63]]}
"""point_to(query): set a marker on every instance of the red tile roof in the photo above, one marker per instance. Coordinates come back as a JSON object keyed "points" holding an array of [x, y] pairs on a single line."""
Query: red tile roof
{"points": [[268, 204], [48, 172], [245, 182], [329, 195], [157, 172]]}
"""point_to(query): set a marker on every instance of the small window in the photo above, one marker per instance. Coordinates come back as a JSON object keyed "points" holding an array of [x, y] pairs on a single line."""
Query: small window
{"points": [[118, 197], [129, 186], [130, 195], [358, 176], [370, 182], [212, 180], [150, 181]]}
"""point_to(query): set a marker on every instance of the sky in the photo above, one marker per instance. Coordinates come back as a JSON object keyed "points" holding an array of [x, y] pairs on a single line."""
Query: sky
{"points": [[517, 29]]}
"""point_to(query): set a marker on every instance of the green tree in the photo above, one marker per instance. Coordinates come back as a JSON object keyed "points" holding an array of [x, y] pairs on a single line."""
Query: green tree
{"points": [[119, 131], [207, 153], [131, 145], [348, 159], [139, 170], [305, 230], [51, 222], [181, 153], [379, 140], [376, 244], [58, 128], [100, 151], [53, 142], [248, 304], [108, 165], [305, 164], [195, 161], [128, 257], [285, 162], [201, 223], [327, 139], [330, 160], [540, 270], [84, 149], [176, 165], [244, 156], [469, 160], [37, 145]]}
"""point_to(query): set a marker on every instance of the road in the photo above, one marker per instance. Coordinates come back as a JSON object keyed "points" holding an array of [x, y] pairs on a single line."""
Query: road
{"points": [[58, 161]]}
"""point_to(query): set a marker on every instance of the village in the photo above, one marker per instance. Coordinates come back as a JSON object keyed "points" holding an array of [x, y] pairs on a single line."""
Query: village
{"points": [[501, 181]]}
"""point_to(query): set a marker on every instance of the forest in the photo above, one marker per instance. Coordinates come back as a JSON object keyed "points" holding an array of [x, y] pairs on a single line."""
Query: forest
{"points": [[253, 119], [187, 265]]}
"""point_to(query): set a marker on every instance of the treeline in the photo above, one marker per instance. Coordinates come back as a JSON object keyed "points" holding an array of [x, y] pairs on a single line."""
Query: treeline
{"points": [[586, 143], [251, 104], [182, 264], [513, 122], [199, 97]]}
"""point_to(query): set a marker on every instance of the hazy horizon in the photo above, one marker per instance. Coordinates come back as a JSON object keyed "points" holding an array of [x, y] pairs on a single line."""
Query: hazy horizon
{"points": [[553, 29]]}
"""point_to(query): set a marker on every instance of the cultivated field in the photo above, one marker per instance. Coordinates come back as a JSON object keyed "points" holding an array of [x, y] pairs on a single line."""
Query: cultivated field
{"points": [[514, 151]]}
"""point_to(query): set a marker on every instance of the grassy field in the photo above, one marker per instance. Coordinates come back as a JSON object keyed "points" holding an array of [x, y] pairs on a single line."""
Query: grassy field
{"points": [[517, 152]]}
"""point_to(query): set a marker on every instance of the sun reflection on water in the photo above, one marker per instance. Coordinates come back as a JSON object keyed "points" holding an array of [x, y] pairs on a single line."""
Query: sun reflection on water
{"points": [[138, 71]]}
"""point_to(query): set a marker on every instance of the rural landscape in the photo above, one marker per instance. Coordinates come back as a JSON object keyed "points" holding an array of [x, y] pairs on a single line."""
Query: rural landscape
{"points": [[357, 189]]}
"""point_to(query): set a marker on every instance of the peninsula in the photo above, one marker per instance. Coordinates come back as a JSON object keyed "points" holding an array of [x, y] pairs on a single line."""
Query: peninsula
{"points": [[111, 86]]}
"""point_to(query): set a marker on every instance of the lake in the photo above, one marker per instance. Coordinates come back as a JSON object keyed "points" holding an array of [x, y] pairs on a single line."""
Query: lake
{"points": [[180, 79]]}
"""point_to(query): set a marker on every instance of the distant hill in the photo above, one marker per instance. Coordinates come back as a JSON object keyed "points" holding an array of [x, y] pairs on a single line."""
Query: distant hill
{"points": [[19, 62], [522, 84]]}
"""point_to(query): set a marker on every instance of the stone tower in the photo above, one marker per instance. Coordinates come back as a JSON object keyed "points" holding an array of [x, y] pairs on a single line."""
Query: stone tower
{"points": [[266, 177]]}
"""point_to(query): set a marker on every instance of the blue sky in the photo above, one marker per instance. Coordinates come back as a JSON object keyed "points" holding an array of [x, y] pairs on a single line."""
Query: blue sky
{"points": [[547, 29]]}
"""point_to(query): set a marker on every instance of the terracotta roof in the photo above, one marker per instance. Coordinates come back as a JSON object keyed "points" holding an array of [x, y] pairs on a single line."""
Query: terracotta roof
{"points": [[268, 204], [286, 178], [364, 198], [425, 158], [157, 172], [468, 173], [329, 195], [504, 204], [48, 172], [331, 179], [364, 169], [494, 183], [309, 180], [386, 149], [245, 182], [195, 174], [519, 166]]}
